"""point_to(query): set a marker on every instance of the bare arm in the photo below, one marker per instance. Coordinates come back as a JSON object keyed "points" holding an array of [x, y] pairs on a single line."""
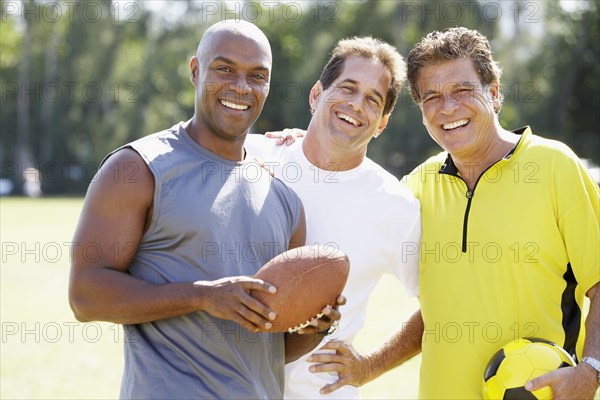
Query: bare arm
{"points": [[401, 347], [580, 382], [115, 214], [356, 370], [591, 347]]}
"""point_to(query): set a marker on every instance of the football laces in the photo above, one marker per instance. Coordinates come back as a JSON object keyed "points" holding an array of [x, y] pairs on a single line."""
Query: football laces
{"points": [[305, 324]]}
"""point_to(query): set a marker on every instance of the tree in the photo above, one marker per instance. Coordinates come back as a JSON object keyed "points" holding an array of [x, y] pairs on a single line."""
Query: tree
{"points": [[83, 78]]}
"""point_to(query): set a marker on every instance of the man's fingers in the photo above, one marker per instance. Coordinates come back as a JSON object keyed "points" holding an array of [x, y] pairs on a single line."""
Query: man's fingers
{"points": [[332, 386], [339, 346], [287, 136], [545, 380], [255, 307], [293, 132], [260, 285], [327, 367], [253, 310], [330, 318], [279, 136], [539, 382], [324, 358], [341, 300], [231, 298], [332, 312], [320, 325], [273, 135], [256, 320], [331, 345]]}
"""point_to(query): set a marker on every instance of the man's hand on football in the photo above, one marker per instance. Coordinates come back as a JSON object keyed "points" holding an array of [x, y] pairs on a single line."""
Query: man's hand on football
{"points": [[331, 316], [229, 298]]}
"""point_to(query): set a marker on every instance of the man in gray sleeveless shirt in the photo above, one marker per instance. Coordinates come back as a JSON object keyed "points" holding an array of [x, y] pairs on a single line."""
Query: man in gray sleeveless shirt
{"points": [[179, 221]]}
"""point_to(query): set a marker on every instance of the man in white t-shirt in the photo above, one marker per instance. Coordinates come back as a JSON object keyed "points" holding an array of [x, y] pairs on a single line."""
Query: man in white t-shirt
{"points": [[351, 203]]}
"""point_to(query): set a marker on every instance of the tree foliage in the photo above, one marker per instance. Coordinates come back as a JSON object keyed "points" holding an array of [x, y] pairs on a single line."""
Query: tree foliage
{"points": [[79, 79]]}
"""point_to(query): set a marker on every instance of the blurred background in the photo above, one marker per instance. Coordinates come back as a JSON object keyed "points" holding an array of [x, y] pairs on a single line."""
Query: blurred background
{"points": [[80, 78]]}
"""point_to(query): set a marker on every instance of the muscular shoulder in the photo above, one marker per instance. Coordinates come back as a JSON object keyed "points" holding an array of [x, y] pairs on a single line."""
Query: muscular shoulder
{"points": [[124, 175], [285, 193]]}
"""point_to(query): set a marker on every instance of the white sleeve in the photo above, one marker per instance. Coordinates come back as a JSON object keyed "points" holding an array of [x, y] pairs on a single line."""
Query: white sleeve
{"points": [[267, 150], [407, 256], [258, 145]]}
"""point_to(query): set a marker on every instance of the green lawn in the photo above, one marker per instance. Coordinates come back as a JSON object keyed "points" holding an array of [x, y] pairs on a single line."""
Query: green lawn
{"points": [[45, 353]]}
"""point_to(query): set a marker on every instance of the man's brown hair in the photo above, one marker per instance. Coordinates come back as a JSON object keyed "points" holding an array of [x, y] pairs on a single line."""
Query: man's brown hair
{"points": [[369, 48]]}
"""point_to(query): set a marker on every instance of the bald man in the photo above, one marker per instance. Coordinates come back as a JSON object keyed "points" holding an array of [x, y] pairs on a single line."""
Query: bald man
{"points": [[178, 231]]}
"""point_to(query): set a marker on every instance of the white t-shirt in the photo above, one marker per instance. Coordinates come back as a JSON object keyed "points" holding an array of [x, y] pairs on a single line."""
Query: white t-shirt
{"points": [[366, 213]]}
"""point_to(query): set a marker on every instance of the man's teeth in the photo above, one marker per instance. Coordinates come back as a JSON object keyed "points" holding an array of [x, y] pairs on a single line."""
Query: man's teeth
{"points": [[349, 119], [456, 124], [233, 105]]}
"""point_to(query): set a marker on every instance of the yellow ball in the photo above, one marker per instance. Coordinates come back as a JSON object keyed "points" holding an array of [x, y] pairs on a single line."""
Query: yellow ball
{"points": [[518, 362]]}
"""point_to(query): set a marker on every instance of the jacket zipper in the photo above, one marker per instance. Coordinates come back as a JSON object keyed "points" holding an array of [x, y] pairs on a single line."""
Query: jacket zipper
{"points": [[469, 194], [466, 219]]}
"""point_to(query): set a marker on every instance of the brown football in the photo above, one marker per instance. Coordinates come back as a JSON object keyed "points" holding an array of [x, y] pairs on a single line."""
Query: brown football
{"points": [[307, 279]]}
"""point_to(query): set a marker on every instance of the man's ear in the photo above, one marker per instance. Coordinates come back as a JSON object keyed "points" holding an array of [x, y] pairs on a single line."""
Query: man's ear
{"points": [[315, 94], [494, 88], [382, 125], [194, 68]]}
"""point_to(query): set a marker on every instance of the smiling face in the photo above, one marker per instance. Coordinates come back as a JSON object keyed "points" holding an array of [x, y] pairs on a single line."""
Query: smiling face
{"points": [[458, 111], [350, 111], [231, 74]]}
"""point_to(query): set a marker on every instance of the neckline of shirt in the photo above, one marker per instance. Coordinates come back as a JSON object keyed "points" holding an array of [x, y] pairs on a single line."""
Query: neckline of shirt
{"points": [[332, 174], [203, 151]]}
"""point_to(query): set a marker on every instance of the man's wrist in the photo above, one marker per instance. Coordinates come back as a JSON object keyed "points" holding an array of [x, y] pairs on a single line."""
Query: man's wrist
{"points": [[593, 364], [369, 367]]}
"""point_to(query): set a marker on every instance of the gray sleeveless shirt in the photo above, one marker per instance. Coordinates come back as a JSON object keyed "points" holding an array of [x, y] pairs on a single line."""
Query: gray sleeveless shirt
{"points": [[212, 218]]}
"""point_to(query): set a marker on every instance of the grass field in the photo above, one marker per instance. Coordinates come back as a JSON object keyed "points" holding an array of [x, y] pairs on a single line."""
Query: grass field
{"points": [[46, 354]]}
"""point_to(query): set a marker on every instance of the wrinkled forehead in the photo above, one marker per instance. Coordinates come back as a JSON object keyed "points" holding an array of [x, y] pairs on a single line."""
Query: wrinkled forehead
{"points": [[368, 72], [448, 73]]}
